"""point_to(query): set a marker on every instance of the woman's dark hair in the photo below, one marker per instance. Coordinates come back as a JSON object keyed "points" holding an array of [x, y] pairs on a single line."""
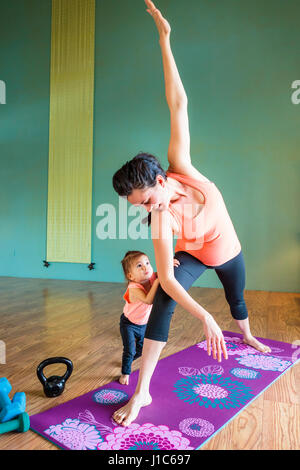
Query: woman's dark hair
{"points": [[138, 173]]}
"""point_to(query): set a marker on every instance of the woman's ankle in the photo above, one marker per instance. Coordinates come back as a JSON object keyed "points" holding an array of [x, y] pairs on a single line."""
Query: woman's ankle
{"points": [[141, 392]]}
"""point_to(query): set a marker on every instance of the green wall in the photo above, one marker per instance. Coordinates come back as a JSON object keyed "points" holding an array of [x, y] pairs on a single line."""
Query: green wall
{"points": [[237, 60]]}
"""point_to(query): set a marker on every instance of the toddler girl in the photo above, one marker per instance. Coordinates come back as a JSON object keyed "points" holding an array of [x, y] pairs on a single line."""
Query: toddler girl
{"points": [[141, 289]]}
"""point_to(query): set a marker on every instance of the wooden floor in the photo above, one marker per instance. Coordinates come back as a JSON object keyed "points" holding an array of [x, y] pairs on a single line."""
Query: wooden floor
{"points": [[80, 320]]}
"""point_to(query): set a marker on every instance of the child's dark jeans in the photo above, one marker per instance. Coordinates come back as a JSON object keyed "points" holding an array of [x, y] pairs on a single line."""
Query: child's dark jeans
{"points": [[133, 339]]}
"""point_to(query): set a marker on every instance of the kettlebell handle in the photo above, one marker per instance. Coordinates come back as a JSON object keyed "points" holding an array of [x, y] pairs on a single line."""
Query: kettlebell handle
{"points": [[54, 360]]}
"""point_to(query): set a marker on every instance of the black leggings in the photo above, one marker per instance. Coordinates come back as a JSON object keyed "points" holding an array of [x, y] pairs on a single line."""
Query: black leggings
{"points": [[231, 274]]}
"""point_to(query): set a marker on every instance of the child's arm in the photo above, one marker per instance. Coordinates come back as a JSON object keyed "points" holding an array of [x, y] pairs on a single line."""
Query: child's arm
{"points": [[136, 294]]}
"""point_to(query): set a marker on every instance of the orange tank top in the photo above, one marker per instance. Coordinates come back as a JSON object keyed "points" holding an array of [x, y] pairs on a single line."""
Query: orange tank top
{"points": [[137, 312], [210, 235]]}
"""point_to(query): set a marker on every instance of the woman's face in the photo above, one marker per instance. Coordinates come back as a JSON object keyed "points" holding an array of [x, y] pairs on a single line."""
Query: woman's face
{"points": [[156, 197]]}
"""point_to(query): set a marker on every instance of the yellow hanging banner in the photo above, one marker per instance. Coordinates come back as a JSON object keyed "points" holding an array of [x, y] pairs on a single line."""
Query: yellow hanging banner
{"points": [[71, 131]]}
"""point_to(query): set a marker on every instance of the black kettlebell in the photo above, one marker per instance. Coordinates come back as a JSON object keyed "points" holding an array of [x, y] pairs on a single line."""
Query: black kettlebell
{"points": [[54, 385]]}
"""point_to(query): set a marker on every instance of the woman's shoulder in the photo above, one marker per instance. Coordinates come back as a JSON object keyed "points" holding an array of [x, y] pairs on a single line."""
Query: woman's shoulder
{"points": [[187, 171]]}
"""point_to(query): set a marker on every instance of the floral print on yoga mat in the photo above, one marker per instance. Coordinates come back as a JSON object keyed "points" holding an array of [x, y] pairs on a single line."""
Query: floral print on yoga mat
{"points": [[196, 427], [257, 361], [110, 396], [212, 369], [213, 391], [77, 435], [248, 374], [206, 370], [145, 437]]}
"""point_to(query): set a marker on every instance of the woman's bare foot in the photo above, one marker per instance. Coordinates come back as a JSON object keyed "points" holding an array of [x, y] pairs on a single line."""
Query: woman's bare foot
{"points": [[128, 413], [124, 379], [256, 344]]}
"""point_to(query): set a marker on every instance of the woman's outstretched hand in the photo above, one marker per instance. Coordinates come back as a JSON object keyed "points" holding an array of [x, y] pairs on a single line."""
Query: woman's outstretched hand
{"points": [[163, 26], [214, 338]]}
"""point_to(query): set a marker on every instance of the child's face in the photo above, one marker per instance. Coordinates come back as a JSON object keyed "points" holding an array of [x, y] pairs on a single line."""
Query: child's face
{"points": [[140, 270]]}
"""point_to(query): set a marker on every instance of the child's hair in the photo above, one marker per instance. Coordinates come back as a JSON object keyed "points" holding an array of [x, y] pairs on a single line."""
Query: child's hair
{"points": [[128, 259]]}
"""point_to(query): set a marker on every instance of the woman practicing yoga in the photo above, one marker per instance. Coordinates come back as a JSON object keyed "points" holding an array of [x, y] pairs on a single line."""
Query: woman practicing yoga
{"points": [[180, 200]]}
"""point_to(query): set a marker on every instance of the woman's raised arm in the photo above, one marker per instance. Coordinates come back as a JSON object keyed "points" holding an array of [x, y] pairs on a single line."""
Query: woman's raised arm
{"points": [[179, 147]]}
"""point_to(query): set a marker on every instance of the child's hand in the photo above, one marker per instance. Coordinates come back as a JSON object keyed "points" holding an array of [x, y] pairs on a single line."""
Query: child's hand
{"points": [[176, 262]]}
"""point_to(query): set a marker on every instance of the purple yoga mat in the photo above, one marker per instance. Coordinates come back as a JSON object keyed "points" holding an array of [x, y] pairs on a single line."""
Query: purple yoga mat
{"points": [[193, 395]]}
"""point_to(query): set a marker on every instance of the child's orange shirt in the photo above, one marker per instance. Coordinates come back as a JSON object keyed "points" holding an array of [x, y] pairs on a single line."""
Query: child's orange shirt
{"points": [[137, 312]]}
